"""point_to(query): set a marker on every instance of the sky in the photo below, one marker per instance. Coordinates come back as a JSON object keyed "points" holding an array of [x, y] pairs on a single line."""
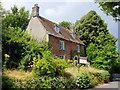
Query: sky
{"points": [[65, 10]]}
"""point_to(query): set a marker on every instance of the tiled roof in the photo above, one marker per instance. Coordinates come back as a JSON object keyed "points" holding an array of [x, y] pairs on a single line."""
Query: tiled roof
{"points": [[64, 33]]}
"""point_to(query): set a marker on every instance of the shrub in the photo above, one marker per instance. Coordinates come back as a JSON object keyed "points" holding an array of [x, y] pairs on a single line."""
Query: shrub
{"points": [[21, 48], [98, 76], [94, 81], [40, 82], [48, 65], [103, 76], [84, 80], [88, 77], [7, 83]]}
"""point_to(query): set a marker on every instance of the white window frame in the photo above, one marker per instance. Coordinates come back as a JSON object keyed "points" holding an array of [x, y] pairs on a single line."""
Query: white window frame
{"points": [[63, 56], [62, 47], [78, 48], [56, 29]]}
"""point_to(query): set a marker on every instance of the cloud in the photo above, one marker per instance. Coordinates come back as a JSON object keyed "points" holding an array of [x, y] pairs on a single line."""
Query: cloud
{"points": [[51, 12], [7, 4]]}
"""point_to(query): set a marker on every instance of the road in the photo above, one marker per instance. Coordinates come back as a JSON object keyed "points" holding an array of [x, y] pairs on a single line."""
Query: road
{"points": [[114, 85]]}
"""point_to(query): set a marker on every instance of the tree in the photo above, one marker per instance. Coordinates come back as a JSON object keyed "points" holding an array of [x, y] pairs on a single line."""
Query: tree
{"points": [[16, 18], [89, 27], [101, 47], [117, 64], [104, 54], [65, 24], [21, 48], [15, 40], [111, 8]]}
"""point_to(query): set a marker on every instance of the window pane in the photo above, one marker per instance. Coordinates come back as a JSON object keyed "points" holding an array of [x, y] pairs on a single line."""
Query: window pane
{"points": [[78, 48], [62, 57], [56, 29], [61, 45], [73, 35]]}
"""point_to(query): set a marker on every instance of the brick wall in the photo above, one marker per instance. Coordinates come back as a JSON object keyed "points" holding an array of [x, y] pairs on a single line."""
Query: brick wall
{"points": [[54, 43]]}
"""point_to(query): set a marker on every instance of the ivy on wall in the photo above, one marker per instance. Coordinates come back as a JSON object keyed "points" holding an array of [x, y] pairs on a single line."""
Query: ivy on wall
{"points": [[74, 52]]}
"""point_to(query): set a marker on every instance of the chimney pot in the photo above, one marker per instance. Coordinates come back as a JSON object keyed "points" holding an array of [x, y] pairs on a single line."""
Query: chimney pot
{"points": [[35, 4], [35, 10]]}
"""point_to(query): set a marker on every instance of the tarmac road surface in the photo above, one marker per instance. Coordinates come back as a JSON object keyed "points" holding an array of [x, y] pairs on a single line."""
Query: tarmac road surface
{"points": [[114, 85]]}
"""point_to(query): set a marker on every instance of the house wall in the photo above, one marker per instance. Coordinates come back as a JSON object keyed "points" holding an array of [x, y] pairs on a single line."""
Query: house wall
{"points": [[36, 29], [54, 43]]}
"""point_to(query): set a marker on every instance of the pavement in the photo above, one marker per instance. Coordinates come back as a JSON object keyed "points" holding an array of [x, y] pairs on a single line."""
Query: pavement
{"points": [[114, 85]]}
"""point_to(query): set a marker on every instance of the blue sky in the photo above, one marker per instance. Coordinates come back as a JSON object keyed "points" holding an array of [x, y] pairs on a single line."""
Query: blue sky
{"points": [[65, 10]]}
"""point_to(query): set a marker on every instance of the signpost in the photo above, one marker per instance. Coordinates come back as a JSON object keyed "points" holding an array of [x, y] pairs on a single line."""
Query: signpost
{"points": [[83, 60]]}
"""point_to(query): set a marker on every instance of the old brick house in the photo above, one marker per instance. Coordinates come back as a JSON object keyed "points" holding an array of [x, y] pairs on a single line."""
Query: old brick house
{"points": [[64, 43]]}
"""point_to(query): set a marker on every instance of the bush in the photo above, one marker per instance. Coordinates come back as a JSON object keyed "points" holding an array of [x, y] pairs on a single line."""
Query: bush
{"points": [[40, 82], [21, 48], [94, 81], [7, 83], [48, 65], [103, 76], [88, 77], [84, 80]]}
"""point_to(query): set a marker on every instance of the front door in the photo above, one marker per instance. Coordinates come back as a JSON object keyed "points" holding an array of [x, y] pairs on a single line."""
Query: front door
{"points": [[75, 58]]}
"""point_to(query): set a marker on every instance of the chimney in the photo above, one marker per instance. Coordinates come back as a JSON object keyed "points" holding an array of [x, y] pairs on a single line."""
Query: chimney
{"points": [[72, 28], [35, 10]]}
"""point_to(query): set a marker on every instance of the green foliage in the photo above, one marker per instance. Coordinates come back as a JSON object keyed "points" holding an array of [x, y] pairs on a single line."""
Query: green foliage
{"points": [[7, 83], [101, 48], [103, 56], [15, 41], [21, 48], [65, 24], [16, 18], [103, 76], [73, 53], [111, 8], [117, 64], [89, 27], [87, 79], [84, 80], [48, 65], [82, 52], [39, 82]]}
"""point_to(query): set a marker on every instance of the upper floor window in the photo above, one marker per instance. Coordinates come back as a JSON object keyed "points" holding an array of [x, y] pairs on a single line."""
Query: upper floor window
{"points": [[56, 29], [78, 48], [61, 45], [73, 35]]}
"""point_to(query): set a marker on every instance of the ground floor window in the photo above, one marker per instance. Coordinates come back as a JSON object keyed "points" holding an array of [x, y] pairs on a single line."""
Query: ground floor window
{"points": [[62, 57]]}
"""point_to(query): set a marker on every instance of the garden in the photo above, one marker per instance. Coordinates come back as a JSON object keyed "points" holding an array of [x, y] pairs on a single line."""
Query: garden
{"points": [[60, 74], [27, 64]]}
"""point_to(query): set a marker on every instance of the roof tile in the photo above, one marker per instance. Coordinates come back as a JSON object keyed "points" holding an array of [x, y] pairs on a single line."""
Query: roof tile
{"points": [[64, 33]]}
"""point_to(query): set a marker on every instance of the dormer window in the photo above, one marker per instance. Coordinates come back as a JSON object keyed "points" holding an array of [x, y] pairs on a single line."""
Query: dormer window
{"points": [[56, 29], [73, 35]]}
